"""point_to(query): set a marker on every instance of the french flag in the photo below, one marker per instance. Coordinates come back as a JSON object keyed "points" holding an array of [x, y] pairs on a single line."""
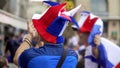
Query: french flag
{"points": [[51, 24]]}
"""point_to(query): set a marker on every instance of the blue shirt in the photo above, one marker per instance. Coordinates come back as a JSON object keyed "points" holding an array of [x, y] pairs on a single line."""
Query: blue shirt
{"points": [[47, 57]]}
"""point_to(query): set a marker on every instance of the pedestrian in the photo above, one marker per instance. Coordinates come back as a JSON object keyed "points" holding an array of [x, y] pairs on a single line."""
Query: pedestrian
{"points": [[3, 62], [11, 47], [73, 43], [100, 52], [50, 27], [1, 38]]}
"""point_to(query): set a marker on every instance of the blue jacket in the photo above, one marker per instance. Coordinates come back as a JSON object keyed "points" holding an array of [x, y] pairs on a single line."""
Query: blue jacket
{"points": [[47, 57]]}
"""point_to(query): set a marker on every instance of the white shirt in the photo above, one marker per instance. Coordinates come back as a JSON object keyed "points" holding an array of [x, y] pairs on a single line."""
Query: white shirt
{"points": [[88, 62]]}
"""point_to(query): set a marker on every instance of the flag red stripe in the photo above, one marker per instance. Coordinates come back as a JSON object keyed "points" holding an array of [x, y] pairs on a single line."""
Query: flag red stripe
{"points": [[118, 66]]}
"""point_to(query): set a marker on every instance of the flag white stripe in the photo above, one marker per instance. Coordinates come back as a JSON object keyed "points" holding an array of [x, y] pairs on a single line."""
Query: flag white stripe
{"points": [[66, 23], [113, 51]]}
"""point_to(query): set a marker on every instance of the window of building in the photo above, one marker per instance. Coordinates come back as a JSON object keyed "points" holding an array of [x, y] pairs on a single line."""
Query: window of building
{"points": [[105, 29], [2, 3], [99, 7]]}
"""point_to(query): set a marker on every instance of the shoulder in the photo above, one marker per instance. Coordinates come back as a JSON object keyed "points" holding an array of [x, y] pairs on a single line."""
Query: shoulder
{"points": [[27, 55], [27, 52], [72, 53], [32, 52]]}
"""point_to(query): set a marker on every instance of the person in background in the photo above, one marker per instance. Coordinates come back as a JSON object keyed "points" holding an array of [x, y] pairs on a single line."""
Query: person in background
{"points": [[1, 38], [84, 31], [81, 54], [3, 62], [73, 43], [12, 46], [99, 51], [80, 48]]}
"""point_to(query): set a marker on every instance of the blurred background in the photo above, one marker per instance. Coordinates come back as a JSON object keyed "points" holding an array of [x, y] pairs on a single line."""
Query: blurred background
{"points": [[14, 15]]}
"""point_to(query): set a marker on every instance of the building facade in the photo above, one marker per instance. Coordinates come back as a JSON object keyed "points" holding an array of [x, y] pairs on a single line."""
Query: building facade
{"points": [[13, 14]]}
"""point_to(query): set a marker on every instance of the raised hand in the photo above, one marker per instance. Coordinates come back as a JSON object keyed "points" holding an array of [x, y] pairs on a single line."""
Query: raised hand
{"points": [[97, 40], [31, 29]]}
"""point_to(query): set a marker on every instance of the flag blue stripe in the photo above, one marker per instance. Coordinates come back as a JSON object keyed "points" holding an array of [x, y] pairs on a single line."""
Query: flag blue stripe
{"points": [[91, 58], [56, 26], [103, 57]]}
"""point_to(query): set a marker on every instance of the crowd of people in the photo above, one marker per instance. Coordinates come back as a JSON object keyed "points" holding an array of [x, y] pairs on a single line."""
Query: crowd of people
{"points": [[43, 46]]}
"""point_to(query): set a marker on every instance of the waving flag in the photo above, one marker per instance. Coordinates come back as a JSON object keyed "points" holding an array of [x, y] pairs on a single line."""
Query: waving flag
{"points": [[109, 52], [54, 17]]}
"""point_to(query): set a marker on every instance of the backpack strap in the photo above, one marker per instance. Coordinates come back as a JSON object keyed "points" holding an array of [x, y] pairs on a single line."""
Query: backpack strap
{"points": [[62, 58]]}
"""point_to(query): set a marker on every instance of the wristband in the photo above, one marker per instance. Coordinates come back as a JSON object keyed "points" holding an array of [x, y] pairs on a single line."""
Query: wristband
{"points": [[27, 41]]}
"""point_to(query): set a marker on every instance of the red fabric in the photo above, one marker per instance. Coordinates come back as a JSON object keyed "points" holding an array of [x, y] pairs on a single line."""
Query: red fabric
{"points": [[67, 17], [63, 15], [118, 66], [42, 23], [51, 15], [88, 24], [43, 33]]}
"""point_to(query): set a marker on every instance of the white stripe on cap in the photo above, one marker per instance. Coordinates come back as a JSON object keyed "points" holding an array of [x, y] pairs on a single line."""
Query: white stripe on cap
{"points": [[38, 16], [69, 13], [82, 19], [65, 25], [92, 16], [72, 12]]}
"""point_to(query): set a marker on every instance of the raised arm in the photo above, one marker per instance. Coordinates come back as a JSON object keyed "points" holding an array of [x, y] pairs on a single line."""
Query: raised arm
{"points": [[95, 49], [26, 43]]}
